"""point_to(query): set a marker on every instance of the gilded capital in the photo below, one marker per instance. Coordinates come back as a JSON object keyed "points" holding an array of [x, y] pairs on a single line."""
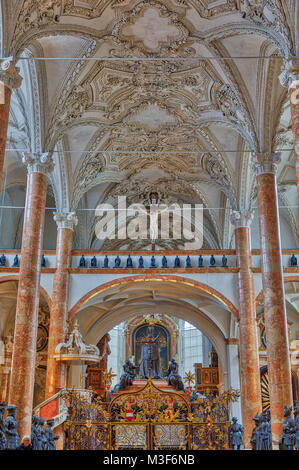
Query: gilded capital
{"points": [[242, 218], [265, 162], [9, 73], [38, 162], [65, 219]]}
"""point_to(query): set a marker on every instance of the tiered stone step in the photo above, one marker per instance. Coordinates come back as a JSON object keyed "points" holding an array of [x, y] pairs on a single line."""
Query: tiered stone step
{"points": [[161, 384]]}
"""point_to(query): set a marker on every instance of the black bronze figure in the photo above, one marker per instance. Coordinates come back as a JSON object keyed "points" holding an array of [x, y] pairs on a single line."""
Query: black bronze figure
{"points": [[16, 262], [212, 261], [49, 435], [173, 376], [127, 378], [188, 262], [93, 262], [82, 262], [43, 264], [164, 262], [153, 262], [236, 434], [293, 260], [224, 261], [106, 262], [3, 261], [200, 261], [140, 262], [177, 262], [289, 430], [129, 262], [117, 262], [2, 426], [12, 435]]}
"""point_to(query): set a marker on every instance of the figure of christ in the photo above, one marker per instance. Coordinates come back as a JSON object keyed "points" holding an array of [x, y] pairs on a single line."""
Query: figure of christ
{"points": [[150, 361]]}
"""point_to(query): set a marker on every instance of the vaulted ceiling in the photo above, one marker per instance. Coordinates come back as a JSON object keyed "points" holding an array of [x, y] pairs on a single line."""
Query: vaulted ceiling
{"points": [[137, 96]]}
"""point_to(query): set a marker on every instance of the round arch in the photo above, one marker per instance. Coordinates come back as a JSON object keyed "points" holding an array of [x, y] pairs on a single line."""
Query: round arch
{"points": [[160, 278]]}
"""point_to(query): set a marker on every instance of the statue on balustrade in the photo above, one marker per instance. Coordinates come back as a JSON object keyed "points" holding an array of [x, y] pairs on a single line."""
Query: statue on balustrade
{"points": [[16, 262], [82, 262], [200, 261], [43, 265], [49, 435], [150, 360], [289, 430], [2, 426], [128, 377], [224, 261], [293, 260], [12, 435], [212, 261], [93, 262], [296, 414], [164, 262], [140, 262], [188, 262], [3, 261], [42, 433], [173, 376], [153, 262], [177, 262], [117, 262], [236, 434], [106, 262], [129, 262]]}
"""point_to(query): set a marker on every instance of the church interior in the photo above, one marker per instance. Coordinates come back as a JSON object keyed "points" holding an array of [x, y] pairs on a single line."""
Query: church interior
{"points": [[118, 330]]}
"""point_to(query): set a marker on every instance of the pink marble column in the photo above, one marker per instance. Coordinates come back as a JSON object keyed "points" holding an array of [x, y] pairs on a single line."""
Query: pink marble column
{"points": [[278, 356], [26, 322], [9, 79], [248, 345], [8, 345], [56, 371]]}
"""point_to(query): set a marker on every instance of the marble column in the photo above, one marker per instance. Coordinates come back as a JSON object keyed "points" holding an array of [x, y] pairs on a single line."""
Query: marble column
{"points": [[249, 358], [8, 347], [56, 371], [234, 375], [9, 79], [278, 357], [26, 321]]}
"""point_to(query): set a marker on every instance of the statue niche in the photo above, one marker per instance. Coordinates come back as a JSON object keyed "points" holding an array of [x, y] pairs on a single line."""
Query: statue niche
{"points": [[150, 357], [151, 342]]}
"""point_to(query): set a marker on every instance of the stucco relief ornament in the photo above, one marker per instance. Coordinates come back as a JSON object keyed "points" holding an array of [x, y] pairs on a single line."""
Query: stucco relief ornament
{"points": [[151, 29], [38, 162]]}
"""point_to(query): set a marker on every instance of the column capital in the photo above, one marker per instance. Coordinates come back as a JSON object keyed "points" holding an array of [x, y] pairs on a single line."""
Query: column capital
{"points": [[38, 162], [290, 72], [9, 73], [65, 219], [265, 162], [242, 218]]}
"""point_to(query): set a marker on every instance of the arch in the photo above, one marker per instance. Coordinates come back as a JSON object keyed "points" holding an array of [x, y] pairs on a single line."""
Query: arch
{"points": [[155, 277], [285, 280], [41, 289]]}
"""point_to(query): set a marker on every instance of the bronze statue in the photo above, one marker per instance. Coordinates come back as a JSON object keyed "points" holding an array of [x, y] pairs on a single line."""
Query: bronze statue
{"points": [[93, 262], [188, 262], [106, 262], [2, 426], [12, 435], [42, 433], [296, 413], [289, 430], [255, 433], [129, 262], [49, 435], [150, 360], [236, 434], [127, 378], [140, 262], [173, 376], [117, 262], [212, 261]]}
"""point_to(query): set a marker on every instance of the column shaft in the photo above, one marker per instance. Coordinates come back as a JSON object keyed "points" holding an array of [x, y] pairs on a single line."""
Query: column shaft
{"points": [[294, 100], [59, 309], [26, 321], [274, 302], [249, 359], [4, 116]]}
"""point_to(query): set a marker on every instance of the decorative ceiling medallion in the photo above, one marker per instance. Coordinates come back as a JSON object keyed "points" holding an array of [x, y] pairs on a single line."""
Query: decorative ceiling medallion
{"points": [[152, 117], [151, 28]]}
